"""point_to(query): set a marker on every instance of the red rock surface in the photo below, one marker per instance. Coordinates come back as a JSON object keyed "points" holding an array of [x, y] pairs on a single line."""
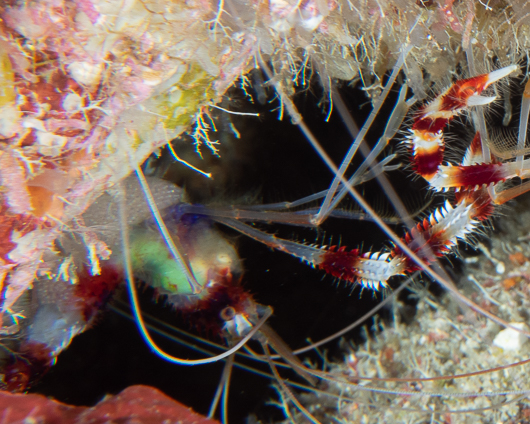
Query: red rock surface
{"points": [[135, 405]]}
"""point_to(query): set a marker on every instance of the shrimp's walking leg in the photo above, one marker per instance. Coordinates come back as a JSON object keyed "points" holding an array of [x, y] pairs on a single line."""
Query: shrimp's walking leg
{"points": [[394, 122], [273, 340], [360, 137], [523, 125], [285, 390], [222, 390]]}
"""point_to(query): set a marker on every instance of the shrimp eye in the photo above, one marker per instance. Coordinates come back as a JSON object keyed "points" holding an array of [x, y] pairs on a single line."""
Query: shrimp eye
{"points": [[227, 313]]}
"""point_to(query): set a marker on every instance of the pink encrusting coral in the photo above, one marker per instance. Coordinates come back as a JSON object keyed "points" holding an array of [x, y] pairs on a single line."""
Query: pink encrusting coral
{"points": [[88, 90], [136, 404]]}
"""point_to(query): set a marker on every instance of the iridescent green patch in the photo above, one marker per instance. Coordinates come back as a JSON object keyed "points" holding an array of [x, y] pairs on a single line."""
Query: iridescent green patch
{"points": [[152, 262]]}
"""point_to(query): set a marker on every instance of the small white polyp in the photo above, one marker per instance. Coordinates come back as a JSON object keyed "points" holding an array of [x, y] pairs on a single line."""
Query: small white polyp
{"points": [[511, 340]]}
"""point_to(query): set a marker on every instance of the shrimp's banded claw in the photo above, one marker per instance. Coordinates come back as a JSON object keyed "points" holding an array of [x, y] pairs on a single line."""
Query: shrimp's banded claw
{"points": [[426, 138], [433, 237], [371, 270], [475, 172], [473, 177], [462, 94]]}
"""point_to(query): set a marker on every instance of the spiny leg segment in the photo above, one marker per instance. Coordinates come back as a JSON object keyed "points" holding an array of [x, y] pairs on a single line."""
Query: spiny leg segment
{"points": [[436, 235]]}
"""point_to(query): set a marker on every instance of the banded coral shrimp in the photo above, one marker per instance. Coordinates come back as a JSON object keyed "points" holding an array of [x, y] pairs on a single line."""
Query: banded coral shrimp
{"points": [[406, 393], [397, 395], [317, 293], [437, 219], [306, 290]]}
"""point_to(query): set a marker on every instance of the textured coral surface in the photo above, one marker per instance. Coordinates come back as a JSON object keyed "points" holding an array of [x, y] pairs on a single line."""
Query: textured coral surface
{"points": [[136, 404]]}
